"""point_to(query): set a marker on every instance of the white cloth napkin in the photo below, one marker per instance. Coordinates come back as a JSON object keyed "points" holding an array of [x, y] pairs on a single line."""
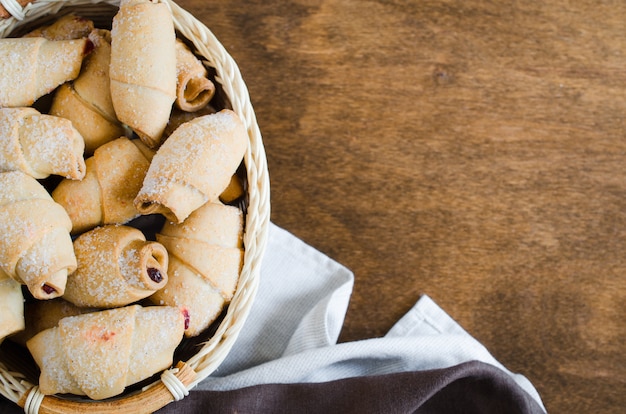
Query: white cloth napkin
{"points": [[292, 331]]}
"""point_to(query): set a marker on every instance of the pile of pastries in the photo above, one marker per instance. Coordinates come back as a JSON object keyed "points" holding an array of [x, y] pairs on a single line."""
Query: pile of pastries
{"points": [[129, 132]]}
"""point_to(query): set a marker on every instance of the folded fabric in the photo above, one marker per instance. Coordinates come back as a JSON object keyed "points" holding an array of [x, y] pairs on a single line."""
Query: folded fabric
{"points": [[287, 358], [290, 337], [468, 388]]}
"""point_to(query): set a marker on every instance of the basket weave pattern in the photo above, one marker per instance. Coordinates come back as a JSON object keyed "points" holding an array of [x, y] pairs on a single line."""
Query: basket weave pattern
{"points": [[176, 382]]}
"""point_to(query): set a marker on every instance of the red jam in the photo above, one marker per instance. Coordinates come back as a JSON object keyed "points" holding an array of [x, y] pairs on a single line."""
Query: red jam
{"points": [[89, 47], [49, 290], [155, 275], [186, 315]]}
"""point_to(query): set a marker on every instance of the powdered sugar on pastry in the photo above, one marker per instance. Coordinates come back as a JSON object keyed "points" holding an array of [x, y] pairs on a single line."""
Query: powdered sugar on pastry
{"points": [[143, 67], [35, 244], [193, 166], [116, 267], [206, 254], [33, 67], [40, 145], [99, 354]]}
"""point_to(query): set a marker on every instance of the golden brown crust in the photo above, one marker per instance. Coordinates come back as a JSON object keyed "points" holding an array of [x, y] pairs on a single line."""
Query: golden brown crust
{"points": [[193, 166], [40, 145], [116, 267], [206, 255], [194, 89], [143, 68], [114, 176], [34, 67], [87, 100], [35, 244], [81, 199], [98, 354]]}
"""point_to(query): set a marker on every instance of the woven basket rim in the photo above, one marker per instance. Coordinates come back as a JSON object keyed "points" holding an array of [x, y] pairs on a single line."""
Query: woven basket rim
{"points": [[211, 354]]}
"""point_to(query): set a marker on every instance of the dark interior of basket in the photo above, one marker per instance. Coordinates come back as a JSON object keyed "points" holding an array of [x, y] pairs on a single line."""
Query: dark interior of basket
{"points": [[16, 357]]}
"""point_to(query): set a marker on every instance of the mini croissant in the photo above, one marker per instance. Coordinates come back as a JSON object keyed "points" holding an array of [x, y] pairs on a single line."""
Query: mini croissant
{"points": [[193, 166], [98, 354], [40, 145], [205, 259], [143, 67], [116, 267], [35, 244], [35, 66], [114, 176], [194, 89]]}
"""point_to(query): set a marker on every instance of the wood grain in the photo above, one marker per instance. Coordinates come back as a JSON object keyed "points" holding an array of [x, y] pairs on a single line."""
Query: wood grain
{"points": [[468, 150]]}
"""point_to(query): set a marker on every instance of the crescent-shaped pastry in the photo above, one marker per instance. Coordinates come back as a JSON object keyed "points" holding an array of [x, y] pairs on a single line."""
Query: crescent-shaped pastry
{"points": [[193, 166], [11, 306], [87, 100], [40, 145], [35, 66], [35, 244], [143, 67], [116, 267], [194, 89], [99, 354], [206, 255], [114, 176]]}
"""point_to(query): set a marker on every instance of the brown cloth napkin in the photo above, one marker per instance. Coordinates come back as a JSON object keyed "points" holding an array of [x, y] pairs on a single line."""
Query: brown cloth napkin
{"points": [[470, 387]]}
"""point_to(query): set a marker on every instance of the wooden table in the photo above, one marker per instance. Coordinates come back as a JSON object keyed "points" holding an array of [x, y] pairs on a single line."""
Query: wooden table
{"points": [[468, 150], [472, 151]]}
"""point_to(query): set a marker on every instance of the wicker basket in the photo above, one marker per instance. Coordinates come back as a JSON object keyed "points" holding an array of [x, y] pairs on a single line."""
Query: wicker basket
{"points": [[200, 358]]}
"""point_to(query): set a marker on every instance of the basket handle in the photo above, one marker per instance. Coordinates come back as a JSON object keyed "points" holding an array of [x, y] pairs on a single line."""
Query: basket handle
{"points": [[147, 401]]}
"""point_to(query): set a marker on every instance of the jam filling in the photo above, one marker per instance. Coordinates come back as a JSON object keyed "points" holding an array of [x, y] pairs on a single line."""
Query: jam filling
{"points": [[155, 275], [89, 47], [48, 289], [186, 315]]}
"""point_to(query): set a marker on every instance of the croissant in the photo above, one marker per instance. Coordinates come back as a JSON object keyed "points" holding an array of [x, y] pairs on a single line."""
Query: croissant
{"points": [[87, 100], [40, 145], [66, 28], [193, 166], [143, 67], [98, 354], [194, 89], [35, 244], [116, 267], [114, 175], [33, 67], [11, 306], [205, 259]]}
